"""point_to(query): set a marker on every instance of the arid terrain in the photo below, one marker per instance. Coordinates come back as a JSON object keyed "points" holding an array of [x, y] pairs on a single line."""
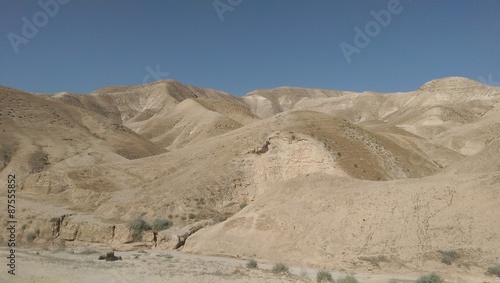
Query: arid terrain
{"points": [[188, 184]]}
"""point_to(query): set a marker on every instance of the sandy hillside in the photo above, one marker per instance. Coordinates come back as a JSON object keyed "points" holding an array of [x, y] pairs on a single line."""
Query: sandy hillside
{"points": [[384, 183]]}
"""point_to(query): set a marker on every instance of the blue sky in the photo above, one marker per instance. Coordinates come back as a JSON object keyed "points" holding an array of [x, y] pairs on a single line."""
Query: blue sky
{"points": [[240, 45]]}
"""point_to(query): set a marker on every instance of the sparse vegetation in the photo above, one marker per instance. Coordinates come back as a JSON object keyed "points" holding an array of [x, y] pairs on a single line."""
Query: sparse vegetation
{"points": [[252, 264], [138, 225], [30, 237], [494, 270], [7, 156], [324, 276], [191, 216], [220, 218], [280, 268], [38, 161], [243, 205], [347, 279], [161, 224], [448, 256], [431, 278]]}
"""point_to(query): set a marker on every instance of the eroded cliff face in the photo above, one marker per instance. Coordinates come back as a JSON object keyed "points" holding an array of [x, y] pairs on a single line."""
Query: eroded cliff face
{"points": [[74, 230], [285, 156]]}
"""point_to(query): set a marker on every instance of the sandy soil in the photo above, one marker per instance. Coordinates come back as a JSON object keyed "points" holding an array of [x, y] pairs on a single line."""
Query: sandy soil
{"points": [[82, 265]]}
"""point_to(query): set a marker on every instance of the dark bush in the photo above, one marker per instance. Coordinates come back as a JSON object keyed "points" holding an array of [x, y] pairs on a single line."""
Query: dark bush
{"points": [[431, 278], [138, 225], [348, 279], [280, 267], [252, 264], [31, 237], [324, 276], [161, 224], [494, 270], [448, 256]]}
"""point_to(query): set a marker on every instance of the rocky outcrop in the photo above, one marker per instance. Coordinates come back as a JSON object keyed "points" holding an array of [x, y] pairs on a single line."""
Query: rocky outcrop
{"points": [[72, 228], [84, 229], [175, 238], [122, 234]]}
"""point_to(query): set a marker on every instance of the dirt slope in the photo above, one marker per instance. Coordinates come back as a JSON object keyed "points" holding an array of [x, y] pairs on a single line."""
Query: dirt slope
{"points": [[342, 223]]}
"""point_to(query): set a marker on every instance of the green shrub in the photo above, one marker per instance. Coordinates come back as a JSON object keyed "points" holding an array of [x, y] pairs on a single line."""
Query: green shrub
{"points": [[220, 218], [252, 264], [38, 161], [431, 278], [280, 267], [494, 270], [324, 276], [347, 279], [448, 256], [7, 156], [138, 225], [161, 224], [31, 237]]}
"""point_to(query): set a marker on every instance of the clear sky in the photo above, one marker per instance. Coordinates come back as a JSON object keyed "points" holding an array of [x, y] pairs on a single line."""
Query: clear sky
{"points": [[241, 45]]}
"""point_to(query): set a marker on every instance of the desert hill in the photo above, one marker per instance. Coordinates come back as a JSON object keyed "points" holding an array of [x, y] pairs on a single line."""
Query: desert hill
{"points": [[166, 112], [349, 224], [312, 177], [269, 102], [38, 134]]}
